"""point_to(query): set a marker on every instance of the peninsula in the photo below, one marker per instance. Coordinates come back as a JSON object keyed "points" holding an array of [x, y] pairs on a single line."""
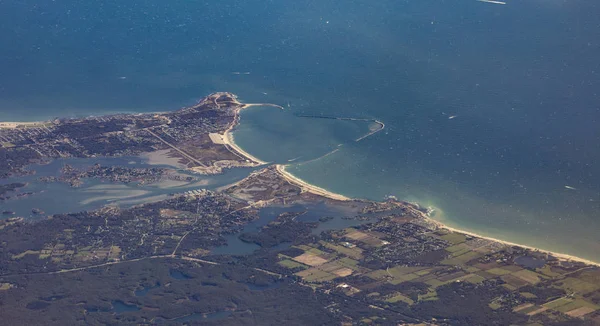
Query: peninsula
{"points": [[317, 257]]}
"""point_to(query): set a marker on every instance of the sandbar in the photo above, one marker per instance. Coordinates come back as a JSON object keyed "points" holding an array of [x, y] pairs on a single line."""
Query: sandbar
{"points": [[307, 187]]}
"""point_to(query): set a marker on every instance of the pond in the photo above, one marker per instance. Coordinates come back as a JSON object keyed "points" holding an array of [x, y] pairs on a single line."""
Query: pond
{"points": [[121, 307], [530, 262], [337, 217]]}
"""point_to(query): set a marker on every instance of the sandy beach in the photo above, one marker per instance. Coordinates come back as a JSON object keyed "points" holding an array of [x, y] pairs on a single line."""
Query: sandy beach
{"points": [[228, 140], [307, 187], [555, 254], [325, 193]]}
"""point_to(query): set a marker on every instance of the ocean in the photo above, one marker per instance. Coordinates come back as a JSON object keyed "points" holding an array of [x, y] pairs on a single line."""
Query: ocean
{"points": [[491, 110]]}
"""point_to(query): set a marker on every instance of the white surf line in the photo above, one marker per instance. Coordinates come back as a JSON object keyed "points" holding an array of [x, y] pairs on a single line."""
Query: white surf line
{"points": [[493, 1]]}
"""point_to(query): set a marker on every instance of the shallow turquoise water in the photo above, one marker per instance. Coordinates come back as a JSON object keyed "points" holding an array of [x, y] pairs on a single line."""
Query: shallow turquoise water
{"points": [[520, 79]]}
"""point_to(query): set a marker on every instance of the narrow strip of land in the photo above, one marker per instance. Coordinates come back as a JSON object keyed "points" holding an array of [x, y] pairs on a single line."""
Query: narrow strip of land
{"points": [[307, 187]]}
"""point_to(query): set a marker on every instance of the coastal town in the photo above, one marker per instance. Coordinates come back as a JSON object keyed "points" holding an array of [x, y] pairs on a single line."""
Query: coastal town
{"points": [[188, 136], [157, 262]]}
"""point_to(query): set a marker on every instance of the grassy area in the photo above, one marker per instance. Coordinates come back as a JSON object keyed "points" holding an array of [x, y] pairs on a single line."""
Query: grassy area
{"points": [[403, 278], [529, 309], [547, 270], [528, 276], [498, 271], [316, 275], [400, 297], [434, 282], [423, 272], [523, 307], [458, 248], [472, 269], [5, 286], [429, 296], [590, 276], [378, 274], [348, 262], [115, 252], [528, 295], [462, 259], [355, 253], [23, 254], [494, 305], [473, 278], [557, 303], [303, 247], [291, 264], [578, 303], [454, 238], [461, 252], [399, 271], [572, 284], [316, 251]]}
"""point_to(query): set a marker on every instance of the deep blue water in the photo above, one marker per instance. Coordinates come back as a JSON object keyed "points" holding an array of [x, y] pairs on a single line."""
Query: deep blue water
{"points": [[522, 80]]}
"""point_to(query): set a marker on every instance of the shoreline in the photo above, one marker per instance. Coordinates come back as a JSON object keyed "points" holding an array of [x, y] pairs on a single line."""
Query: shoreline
{"points": [[325, 193], [229, 141], [558, 255], [307, 187]]}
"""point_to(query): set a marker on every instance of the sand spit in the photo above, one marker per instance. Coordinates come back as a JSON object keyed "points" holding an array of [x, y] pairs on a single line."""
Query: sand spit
{"points": [[227, 137], [228, 140], [307, 187]]}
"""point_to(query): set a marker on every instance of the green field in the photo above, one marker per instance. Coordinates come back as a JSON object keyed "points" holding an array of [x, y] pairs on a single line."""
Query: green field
{"points": [[557, 303], [291, 264], [454, 238], [498, 271], [400, 297]]}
